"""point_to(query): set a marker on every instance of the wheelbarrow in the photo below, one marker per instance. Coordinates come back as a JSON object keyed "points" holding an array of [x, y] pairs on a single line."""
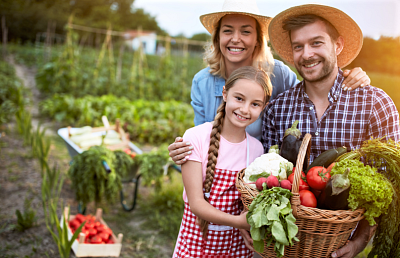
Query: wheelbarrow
{"points": [[74, 149]]}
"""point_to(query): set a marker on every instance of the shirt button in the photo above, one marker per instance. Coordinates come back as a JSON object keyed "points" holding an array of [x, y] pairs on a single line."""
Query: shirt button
{"points": [[311, 108], [316, 133]]}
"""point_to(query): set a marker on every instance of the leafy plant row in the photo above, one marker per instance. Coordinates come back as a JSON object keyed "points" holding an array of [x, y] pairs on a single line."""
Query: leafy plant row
{"points": [[152, 122], [11, 98], [118, 70]]}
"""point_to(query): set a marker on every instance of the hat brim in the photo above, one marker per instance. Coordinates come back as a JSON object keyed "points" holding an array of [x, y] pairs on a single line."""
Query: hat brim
{"points": [[211, 20], [344, 24]]}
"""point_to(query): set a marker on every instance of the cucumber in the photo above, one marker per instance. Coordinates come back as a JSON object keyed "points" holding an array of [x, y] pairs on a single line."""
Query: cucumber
{"points": [[324, 159]]}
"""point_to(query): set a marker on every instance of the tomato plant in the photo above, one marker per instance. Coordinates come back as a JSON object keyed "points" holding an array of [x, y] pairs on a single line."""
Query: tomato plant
{"points": [[308, 199], [317, 177]]}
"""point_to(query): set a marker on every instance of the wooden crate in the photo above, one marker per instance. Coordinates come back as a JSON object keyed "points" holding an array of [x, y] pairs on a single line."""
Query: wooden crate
{"points": [[82, 249]]}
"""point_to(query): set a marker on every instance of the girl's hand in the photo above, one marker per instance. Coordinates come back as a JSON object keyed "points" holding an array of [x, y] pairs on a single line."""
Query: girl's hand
{"points": [[248, 241], [179, 151], [355, 78], [243, 221]]}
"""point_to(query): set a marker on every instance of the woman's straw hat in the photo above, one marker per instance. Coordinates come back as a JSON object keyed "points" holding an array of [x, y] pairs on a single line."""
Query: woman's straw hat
{"points": [[245, 7], [346, 26]]}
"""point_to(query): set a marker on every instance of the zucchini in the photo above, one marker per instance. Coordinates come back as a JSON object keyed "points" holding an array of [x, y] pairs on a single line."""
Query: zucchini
{"points": [[324, 159]]}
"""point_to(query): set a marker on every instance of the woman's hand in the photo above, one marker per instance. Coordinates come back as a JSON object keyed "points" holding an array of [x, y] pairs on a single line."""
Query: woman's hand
{"points": [[179, 150], [355, 78]]}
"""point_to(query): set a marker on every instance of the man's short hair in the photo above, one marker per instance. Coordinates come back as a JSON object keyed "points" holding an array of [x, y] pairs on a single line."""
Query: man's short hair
{"points": [[297, 22]]}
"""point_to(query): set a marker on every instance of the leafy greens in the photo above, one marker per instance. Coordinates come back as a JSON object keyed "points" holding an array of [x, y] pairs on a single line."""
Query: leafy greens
{"points": [[271, 219]]}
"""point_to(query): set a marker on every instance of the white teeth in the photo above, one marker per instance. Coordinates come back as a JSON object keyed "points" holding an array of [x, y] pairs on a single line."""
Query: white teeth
{"points": [[235, 49], [311, 65], [241, 117]]}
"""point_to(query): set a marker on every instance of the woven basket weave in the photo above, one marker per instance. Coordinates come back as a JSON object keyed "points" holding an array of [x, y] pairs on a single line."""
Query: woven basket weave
{"points": [[321, 232]]}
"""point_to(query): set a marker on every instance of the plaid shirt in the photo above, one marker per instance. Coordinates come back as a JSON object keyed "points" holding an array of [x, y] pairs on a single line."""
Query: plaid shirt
{"points": [[351, 117]]}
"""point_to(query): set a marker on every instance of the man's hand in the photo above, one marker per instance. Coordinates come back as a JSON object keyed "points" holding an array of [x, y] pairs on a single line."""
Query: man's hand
{"points": [[248, 241], [359, 241], [355, 78], [179, 151]]}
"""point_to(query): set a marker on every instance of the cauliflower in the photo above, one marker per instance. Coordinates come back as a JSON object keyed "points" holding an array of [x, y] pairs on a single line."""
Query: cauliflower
{"points": [[269, 163]]}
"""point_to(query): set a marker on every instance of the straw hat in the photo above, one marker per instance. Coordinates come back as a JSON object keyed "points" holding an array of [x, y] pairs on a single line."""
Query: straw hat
{"points": [[346, 26], [245, 7]]}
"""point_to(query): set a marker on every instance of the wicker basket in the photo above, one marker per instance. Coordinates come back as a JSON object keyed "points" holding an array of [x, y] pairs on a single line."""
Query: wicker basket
{"points": [[321, 232]]}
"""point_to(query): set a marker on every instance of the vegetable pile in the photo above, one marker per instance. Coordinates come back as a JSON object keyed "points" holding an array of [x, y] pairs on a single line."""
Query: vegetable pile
{"points": [[91, 181], [384, 155], [369, 189], [95, 232], [84, 138], [271, 219]]}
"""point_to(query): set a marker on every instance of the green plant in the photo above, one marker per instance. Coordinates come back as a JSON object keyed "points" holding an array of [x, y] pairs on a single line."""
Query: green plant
{"points": [[164, 207], [152, 122], [52, 182], [90, 179], [151, 165], [26, 219]]}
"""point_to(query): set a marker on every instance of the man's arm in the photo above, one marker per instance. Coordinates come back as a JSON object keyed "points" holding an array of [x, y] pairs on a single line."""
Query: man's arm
{"points": [[269, 135]]}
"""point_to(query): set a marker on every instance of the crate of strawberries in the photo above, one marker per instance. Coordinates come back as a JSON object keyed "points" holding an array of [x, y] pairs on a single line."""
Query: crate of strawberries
{"points": [[96, 238]]}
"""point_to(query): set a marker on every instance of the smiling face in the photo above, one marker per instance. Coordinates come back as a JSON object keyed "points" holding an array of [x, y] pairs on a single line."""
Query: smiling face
{"points": [[237, 39], [244, 103], [314, 52]]}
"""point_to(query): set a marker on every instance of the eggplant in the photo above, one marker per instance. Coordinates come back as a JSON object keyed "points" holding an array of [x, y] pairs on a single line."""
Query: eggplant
{"points": [[336, 192], [291, 143]]}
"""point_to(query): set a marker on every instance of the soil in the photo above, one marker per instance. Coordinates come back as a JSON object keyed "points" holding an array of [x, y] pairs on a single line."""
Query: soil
{"points": [[20, 180]]}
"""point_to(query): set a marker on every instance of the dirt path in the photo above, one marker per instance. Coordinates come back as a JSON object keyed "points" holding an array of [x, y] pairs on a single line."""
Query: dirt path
{"points": [[20, 180]]}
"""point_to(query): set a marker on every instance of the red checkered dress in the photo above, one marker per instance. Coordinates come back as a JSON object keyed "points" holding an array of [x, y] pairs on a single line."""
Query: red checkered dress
{"points": [[222, 241]]}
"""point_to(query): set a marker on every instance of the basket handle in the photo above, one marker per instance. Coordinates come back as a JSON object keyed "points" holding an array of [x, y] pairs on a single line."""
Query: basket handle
{"points": [[304, 151]]}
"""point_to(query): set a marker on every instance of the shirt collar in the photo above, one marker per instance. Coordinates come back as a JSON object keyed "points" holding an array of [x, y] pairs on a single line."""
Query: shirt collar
{"points": [[335, 91], [219, 85]]}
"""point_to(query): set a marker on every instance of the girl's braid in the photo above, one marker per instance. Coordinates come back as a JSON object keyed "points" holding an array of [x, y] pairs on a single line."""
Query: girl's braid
{"points": [[212, 159]]}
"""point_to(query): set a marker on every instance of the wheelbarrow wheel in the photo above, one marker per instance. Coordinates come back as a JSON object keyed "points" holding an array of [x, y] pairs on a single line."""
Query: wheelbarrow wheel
{"points": [[124, 203]]}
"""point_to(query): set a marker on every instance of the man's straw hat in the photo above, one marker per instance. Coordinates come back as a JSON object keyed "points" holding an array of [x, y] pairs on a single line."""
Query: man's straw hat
{"points": [[245, 7], [346, 26]]}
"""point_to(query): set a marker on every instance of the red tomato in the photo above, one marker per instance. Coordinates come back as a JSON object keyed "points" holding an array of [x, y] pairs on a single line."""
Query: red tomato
{"points": [[330, 167], [86, 232], [74, 224], [308, 199], [303, 185], [89, 224], [104, 235], [110, 241], [317, 177], [92, 232], [96, 240], [80, 217], [101, 228]]}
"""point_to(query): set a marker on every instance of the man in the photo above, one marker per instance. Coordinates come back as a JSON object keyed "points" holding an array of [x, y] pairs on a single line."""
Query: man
{"points": [[318, 40]]}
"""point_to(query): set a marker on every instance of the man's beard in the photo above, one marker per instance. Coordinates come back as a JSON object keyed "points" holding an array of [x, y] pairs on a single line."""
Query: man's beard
{"points": [[327, 69]]}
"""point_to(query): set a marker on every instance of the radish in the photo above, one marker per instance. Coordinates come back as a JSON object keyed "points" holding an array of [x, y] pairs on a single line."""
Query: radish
{"points": [[272, 181], [259, 183], [286, 184]]}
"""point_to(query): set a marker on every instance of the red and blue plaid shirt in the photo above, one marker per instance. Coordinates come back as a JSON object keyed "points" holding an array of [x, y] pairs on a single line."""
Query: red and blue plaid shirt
{"points": [[351, 117]]}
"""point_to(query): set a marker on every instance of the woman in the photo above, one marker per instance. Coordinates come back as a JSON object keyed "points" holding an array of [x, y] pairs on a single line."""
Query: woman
{"points": [[239, 38]]}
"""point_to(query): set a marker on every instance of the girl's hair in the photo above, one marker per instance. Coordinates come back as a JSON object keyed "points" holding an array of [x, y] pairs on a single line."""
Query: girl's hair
{"points": [[262, 56], [249, 73]]}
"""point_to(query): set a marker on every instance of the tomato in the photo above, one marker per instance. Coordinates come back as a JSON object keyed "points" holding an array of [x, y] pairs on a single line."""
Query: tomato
{"points": [[96, 240], [74, 224], [92, 232], [128, 151], [308, 199], [90, 224], [317, 177], [80, 217], [101, 228], [104, 235], [133, 154], [303, 185], [110, 241], [330, 167], [86, 232]]}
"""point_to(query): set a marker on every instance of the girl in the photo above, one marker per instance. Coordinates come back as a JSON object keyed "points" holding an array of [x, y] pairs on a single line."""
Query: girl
{"points": [[222, 148], [239, 38]]}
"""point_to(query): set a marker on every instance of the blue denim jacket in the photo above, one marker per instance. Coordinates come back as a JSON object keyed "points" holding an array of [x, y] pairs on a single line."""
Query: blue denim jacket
{"points": [[206, 94]]}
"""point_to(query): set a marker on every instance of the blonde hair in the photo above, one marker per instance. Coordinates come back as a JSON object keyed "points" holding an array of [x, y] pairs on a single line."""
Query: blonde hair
{"points": [[262, 55], [246, 72]]}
